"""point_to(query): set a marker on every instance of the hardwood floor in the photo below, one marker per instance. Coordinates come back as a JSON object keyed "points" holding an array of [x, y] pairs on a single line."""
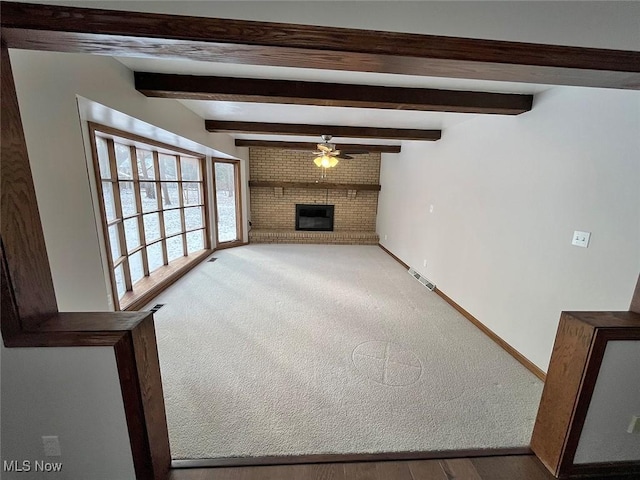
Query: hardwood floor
{"points": [[513, 467]]}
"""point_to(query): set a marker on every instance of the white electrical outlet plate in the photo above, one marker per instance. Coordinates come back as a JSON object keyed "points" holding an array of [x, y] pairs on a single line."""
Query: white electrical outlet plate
{"points": [[430, 208], [385, 237], [634, 426], [581, 239], [51, 446], [424, 263]]}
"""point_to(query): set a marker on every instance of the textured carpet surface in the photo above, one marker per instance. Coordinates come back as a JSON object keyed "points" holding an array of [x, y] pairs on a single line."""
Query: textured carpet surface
{"points": [[309, 349]]}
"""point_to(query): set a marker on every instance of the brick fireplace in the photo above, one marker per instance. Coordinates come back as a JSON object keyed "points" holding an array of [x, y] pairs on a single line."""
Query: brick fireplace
{"points": [[282, 179]]}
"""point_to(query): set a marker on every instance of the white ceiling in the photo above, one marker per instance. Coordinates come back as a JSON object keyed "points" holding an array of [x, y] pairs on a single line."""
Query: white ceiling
{"points": [[600, 24], [307, 114]]}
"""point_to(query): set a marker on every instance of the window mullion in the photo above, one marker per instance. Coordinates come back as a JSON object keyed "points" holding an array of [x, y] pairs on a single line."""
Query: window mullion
{"points": [[158, 185], [214, 187], [238, 200], [136, 191], [117, 200], [183, 222]]}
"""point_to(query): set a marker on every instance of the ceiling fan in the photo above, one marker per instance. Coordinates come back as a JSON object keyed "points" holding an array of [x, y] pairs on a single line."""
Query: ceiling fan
{"points": [[327, 154]]}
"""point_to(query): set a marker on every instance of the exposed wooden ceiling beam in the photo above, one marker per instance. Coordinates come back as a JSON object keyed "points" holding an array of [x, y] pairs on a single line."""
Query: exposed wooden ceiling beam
{"points": [[197, 87], [309, 146], [112, 32], [317, 130]]}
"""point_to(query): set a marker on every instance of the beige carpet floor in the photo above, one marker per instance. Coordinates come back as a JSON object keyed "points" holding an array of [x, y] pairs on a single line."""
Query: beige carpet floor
{"points": [[311, 349]]}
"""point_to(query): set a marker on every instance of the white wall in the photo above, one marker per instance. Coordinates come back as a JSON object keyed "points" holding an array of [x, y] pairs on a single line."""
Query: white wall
{"points": [[72, 393], [507, 193], [47, 85], [616, 399]]}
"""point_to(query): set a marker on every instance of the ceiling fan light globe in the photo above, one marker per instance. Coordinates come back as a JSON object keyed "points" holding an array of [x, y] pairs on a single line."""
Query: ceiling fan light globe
{"points": [[326, 153], [326, 161]]}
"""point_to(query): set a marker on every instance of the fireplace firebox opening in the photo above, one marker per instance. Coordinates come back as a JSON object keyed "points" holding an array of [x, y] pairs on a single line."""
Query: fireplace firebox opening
{"points": [[314, 217]]}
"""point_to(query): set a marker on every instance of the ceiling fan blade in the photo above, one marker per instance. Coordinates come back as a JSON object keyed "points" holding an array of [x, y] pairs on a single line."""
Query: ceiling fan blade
{"points": [[344, 156], [324, 148], [356, 152]]}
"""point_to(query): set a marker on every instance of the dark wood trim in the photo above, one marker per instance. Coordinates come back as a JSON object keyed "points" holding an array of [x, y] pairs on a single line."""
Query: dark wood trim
{"points": [[317, 130], [128, 138], [207, 185], [9, 319], [226, 245], [136, 178], [635, 300], [138, 438], [27, 273], [555, 414], [503, 467], [231, 89], [149, 385], [315, 185], [215, 202], [589, 379], [239, 215], [581, 406], [99, 329], [577, 355], [104, 227], [31, 339], [183, 220], [493, 336], [614, 322], [123, 261], [139, 372], [112, 32], [132, 336], [238, 195], [239, 205], [394, 257], [350, 457], [94, 322], [310, 146], [164, 278], [161, 225], [605, 469]]}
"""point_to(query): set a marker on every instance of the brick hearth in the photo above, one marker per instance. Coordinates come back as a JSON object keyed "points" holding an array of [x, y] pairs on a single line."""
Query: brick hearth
{"points": [[333, 238]]}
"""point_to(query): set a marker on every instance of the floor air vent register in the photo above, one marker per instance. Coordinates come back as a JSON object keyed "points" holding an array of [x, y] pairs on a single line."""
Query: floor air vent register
{"points": [[423, 280], [157, 307]]}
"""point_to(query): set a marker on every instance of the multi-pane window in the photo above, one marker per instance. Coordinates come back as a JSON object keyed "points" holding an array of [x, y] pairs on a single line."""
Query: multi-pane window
{"points": [[153, 206], [226, 174]]}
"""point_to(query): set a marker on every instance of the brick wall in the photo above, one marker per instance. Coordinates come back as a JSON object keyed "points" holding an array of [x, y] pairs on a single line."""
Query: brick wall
{"points": [[275, 209]]}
